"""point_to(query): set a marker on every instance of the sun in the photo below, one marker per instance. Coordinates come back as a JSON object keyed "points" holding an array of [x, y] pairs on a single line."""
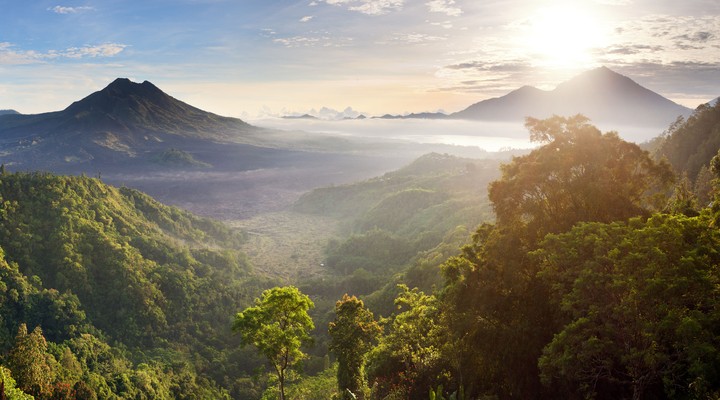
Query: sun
{"points": [[563, 37]]}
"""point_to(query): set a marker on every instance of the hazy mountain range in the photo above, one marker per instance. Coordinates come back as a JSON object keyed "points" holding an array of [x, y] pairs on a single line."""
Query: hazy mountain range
{"points": [[137, 125], [601, 94]]}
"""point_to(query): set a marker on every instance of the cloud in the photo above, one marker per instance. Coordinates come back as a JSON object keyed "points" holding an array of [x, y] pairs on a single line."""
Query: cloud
{"points": [[444, 6], [506, 66], [325, 113], [11, 56], [444, 24], [683, 29], [306, 18], [313, 39], [369, 7], [415, 38], [673, 79], [103, 50], [69, 10], [699, 37], [630, 49]]}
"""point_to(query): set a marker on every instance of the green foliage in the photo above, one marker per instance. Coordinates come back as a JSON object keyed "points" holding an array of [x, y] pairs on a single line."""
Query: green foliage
{"points": [[373, 251], [580, 174], [9, 389], [277, 325], [410, 357], [92, 264], [352, 333], [435, 193], [690, 144], [638, 304], [322, 386], [496, 308], [33, 366]]}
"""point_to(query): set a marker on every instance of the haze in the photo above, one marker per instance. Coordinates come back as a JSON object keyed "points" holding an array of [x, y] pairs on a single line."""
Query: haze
{"points": [[256, 58]]}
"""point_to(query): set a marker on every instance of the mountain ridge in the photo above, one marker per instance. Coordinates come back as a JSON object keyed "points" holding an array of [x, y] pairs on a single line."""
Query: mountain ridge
{"points": [[601, 94], [125, 122]]}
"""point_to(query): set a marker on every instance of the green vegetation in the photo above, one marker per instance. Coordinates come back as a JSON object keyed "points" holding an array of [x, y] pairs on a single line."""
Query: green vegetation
{"points": [[597, 279], [119, 295], [277, 325], [398, 224], [689, 145], [352, 332], [594, 282]]}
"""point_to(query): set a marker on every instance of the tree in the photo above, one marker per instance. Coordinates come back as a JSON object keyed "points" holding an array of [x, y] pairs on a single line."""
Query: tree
{"points": [[277, 325], [580, 174], [29, 360], [8, 391], [639, 307], [412, 356], [495, 307], [352, 333]]}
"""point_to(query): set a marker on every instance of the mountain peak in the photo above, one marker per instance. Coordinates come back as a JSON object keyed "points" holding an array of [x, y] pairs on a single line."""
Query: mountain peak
{"points": [[124, 86], [601, 94], [602, 78]]}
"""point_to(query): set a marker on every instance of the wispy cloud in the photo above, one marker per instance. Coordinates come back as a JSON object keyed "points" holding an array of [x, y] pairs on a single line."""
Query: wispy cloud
{"points": [[102, 50], [415, 38], [306, 18], [69, 10], [508, 66], [629, 49], [9, 55], [444, 6], [369, 7], [316, 39]]}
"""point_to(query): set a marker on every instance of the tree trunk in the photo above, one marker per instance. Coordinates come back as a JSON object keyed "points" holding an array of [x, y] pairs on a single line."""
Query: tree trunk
{"points": [[281, 378]]}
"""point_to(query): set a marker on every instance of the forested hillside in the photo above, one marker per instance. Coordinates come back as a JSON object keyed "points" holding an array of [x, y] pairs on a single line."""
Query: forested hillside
{"points": [[104, 291], [400, 226], [689, 145], [597, 280], [595, 277]]}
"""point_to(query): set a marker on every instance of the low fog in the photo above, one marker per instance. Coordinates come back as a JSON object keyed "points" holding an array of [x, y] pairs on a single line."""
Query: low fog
{"points": [[487, 135]]}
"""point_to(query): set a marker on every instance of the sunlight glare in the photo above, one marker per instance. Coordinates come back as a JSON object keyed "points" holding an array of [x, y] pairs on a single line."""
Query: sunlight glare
{"points": [[564, 37]]}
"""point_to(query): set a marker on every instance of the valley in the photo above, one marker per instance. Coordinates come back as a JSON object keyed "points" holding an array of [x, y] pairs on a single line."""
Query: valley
{"points": [[446, 244]]}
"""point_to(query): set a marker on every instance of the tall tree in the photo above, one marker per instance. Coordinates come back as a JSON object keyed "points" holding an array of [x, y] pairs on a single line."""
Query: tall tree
{"points": [[496, 307], [352, 333], [29, 360], [277, 325], [579, 174]]}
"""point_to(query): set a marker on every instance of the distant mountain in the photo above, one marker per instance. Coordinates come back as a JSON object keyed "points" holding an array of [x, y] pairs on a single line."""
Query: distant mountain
{"points": [[304, 116], [422, 115], [124, 122], [601, 94], [8, 112]]}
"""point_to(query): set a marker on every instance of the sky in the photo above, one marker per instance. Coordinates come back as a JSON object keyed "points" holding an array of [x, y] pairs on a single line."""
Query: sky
{"points": [[256, 58]]}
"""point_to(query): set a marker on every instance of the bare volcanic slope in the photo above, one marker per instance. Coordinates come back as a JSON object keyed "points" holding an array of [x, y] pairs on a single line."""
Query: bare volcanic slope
{"points": [[124, 122], [601, 94]]}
